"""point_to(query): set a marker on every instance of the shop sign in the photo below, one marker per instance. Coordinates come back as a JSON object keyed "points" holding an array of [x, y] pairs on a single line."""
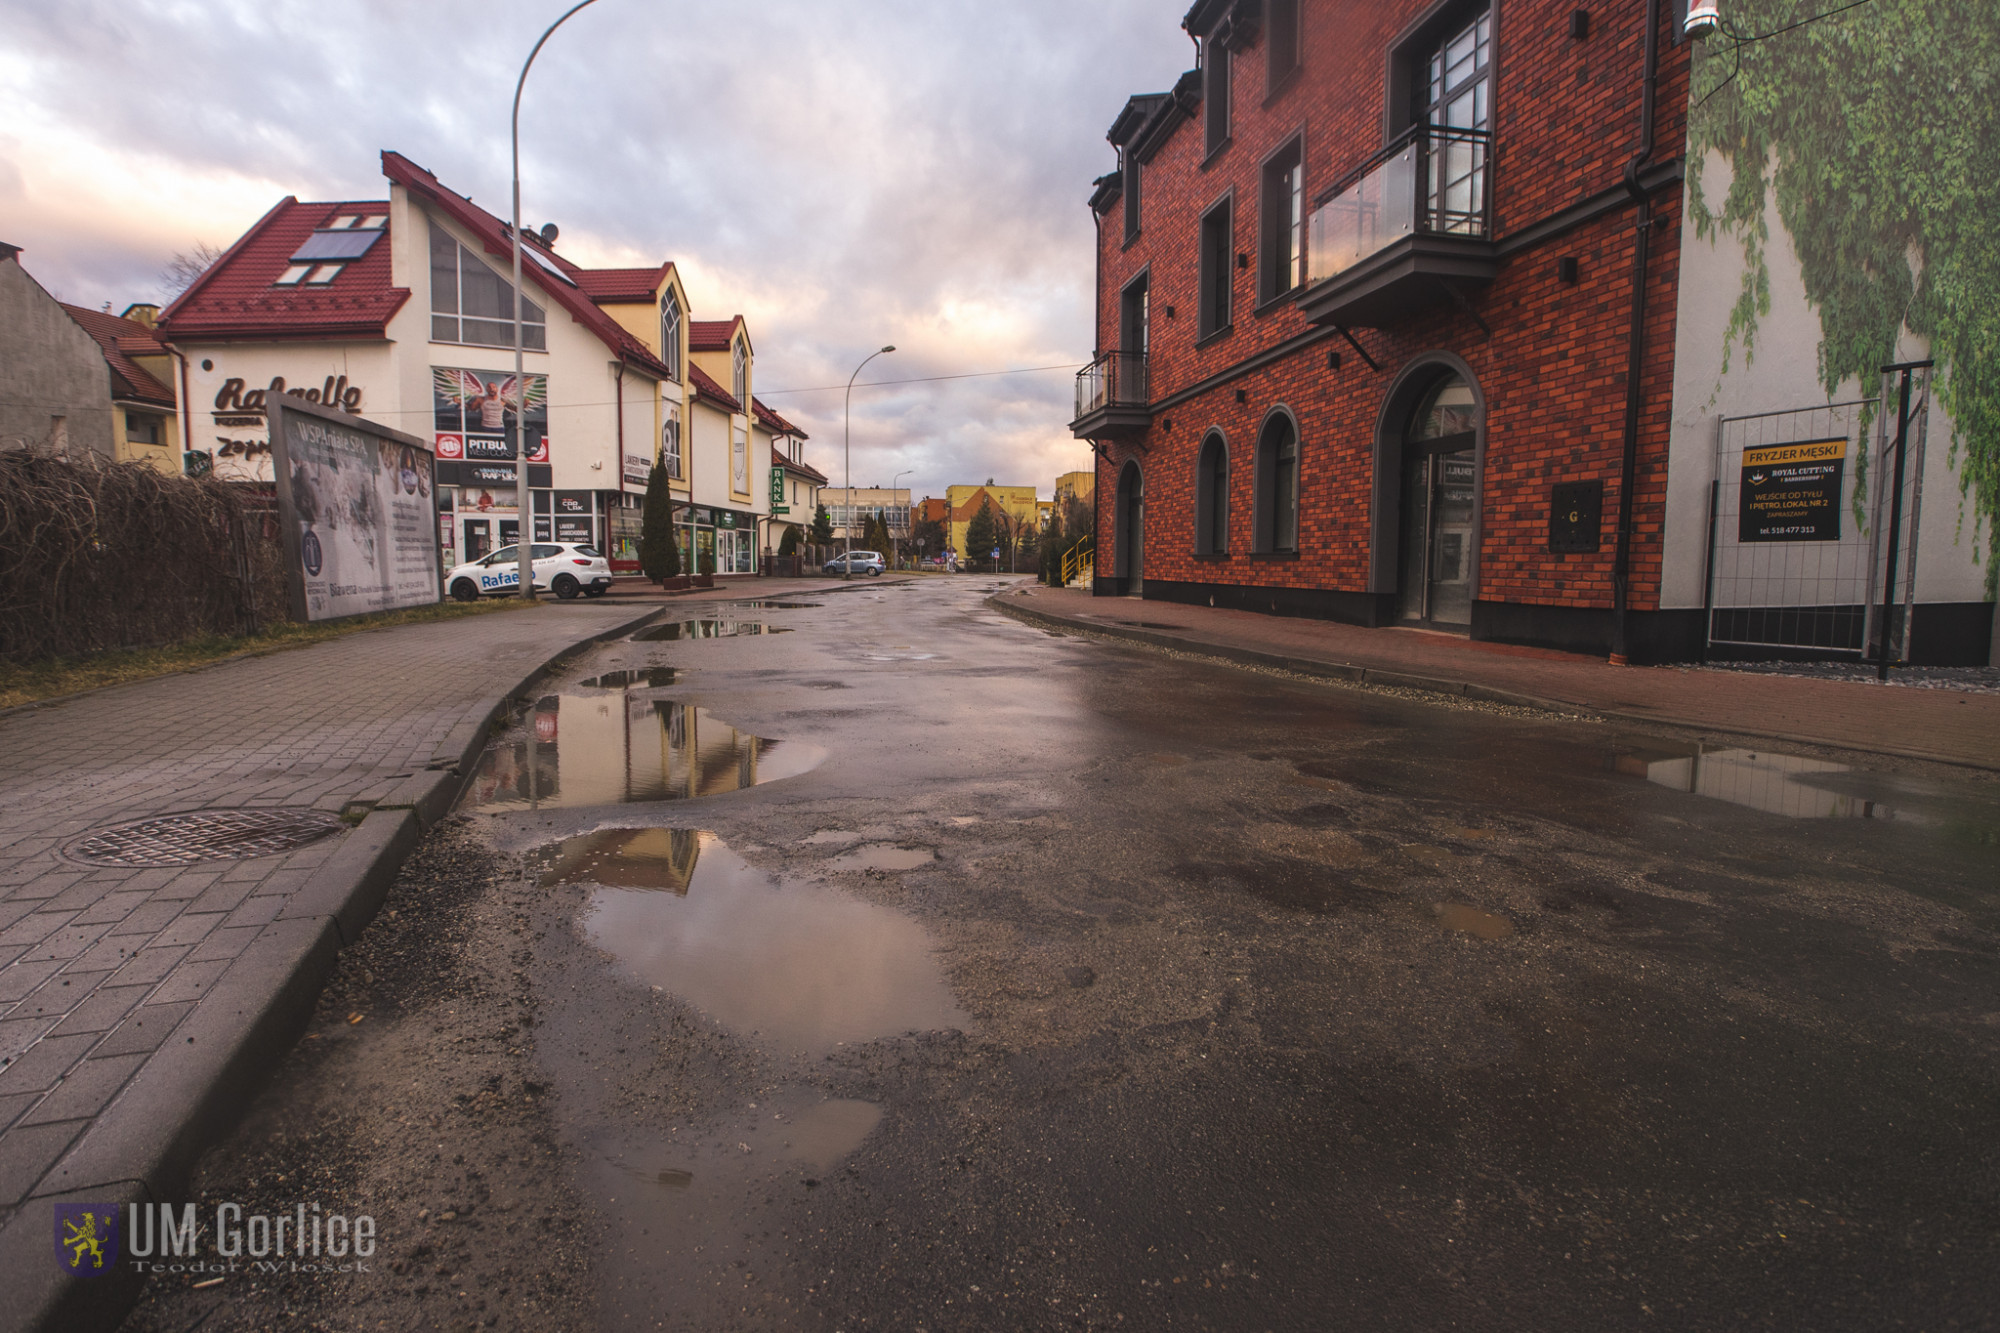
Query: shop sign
{"points": [[1791, 492], [577, 531], [242, 444], [638, 469], [575, 502], [356, 508]]}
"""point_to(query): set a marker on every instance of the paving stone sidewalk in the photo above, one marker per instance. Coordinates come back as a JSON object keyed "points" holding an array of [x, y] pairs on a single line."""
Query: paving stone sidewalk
{"points": [[1956, 726], [99, 965]]}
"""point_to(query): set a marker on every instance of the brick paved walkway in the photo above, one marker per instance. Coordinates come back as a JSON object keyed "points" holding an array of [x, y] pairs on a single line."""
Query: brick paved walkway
{"points": [[1957, 726], [98, 966]]}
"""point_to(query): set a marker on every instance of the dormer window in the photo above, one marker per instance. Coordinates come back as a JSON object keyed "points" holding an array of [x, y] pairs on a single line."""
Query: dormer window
{"points": [[670, 334], [739, 370]]}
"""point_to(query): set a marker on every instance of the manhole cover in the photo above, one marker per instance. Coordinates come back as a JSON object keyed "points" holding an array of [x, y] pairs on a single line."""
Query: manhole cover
{"points": [[202, 835]]}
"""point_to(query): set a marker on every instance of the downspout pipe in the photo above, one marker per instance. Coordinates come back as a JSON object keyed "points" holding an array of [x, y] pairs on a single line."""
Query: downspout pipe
{"points": [[1628, 468]]}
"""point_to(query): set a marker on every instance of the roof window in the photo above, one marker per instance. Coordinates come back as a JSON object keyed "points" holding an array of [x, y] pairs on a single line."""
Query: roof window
{"points": [[375, 221], [292, 276], [323, 274]]}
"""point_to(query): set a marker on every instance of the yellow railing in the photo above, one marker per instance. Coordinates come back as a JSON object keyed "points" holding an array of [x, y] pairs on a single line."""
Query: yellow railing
{"points": [[1079, 562]]}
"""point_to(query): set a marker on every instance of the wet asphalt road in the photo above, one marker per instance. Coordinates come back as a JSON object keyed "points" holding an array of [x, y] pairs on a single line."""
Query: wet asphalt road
{"points": [[1003, 980]]}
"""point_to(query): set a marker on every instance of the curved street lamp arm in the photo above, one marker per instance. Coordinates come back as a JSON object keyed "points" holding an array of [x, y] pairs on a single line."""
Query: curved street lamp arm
{"points": [[847, 454], [524, 526]]}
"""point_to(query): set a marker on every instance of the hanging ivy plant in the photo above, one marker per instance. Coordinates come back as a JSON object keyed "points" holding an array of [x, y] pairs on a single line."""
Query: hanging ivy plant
{"points": [[1878, 128]]}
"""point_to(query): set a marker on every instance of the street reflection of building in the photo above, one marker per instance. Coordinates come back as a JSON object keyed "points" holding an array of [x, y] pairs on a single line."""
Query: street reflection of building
{"points": [[1778, 784], [611, 747], [649, 858]]}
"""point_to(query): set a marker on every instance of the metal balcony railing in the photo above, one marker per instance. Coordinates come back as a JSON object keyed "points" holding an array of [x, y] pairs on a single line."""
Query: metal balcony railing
{"points": [[1114, 379], [1432, 181]]}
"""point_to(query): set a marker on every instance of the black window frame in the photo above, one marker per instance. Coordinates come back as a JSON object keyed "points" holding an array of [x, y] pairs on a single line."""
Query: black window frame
{"points": [[1277, 498], [1284, 44], [1138, 288], [1131, 191], [672, 318], [1215, 266], [1407, 77], [1211, 494], [1215, 107], [1281, 219]]}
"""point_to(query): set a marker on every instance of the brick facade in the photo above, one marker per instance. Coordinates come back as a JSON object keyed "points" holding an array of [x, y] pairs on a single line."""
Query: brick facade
{"points": [[1550, 364]]}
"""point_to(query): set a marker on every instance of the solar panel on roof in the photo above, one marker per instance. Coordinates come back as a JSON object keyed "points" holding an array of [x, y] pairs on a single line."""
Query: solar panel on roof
{"points": [[336, 245]]}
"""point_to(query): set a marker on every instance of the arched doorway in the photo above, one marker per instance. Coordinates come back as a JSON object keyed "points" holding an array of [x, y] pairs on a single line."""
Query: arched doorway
{"points": [[1439, 505], [1131, 535]]}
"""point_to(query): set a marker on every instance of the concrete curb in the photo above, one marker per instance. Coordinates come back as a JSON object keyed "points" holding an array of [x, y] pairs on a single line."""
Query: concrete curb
{"points": [[1356, 675], [191, 1091]]}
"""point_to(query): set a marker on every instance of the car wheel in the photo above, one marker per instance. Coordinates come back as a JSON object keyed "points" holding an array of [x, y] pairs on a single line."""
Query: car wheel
{"points": [[464, 591], [595, 592], [873, 570], [566, 587]]}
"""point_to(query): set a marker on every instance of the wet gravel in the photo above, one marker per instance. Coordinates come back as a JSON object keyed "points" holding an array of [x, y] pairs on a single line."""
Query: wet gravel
{"points": [[1974, 680]]}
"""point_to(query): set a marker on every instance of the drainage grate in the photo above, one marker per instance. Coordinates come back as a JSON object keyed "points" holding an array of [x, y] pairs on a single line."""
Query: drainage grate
{"points": [[202, 835]]}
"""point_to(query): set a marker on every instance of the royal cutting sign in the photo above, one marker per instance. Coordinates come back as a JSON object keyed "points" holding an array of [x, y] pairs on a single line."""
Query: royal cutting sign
{"points": [[1791, 492]]}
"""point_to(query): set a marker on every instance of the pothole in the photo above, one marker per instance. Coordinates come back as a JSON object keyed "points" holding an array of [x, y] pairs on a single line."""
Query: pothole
{"points": [[202, 835], [883, 856]]}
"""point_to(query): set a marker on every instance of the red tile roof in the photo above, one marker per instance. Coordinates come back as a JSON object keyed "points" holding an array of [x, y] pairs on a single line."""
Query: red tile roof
{"points": [[705, 387], [712, 335], [235, 298], [621, 284], [121, 338], [493, 233], [806, 470], [771, 421]]}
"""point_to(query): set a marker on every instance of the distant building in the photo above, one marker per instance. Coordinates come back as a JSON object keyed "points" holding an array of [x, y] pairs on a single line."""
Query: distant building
{"points": [[1017, 503], [54, 392], [1080, 486], [795, 483], [145, 423], [862, 503]]}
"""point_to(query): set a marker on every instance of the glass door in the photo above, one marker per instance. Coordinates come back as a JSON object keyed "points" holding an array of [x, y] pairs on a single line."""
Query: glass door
{"points": [[1435, 579]]}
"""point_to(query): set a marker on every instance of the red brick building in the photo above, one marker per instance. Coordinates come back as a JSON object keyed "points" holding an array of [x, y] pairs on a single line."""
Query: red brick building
{"points": [[1371, 283]]}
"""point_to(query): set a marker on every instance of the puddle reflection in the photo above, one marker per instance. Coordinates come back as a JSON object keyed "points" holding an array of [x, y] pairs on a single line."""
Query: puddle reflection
{"points": [[596, 749], [644, 678], [1778, 784], [775, 606], [704, 629], [798, 967]]}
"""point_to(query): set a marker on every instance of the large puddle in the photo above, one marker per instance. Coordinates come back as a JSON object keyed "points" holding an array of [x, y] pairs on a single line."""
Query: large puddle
{"points": [[794, 967], [615, 748], [1778, 784], [675, 630]]}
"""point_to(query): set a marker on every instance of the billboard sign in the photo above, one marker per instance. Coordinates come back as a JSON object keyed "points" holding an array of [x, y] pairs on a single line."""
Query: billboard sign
{"points": [[1791, 492], [477, 409], [357, 505]]}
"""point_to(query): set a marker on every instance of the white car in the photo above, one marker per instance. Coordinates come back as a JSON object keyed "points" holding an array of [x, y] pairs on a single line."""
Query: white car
{"points": [[562, 568]]}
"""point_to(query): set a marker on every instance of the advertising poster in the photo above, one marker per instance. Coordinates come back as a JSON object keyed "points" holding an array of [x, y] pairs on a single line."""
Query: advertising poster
{"points": [[475, 412], [1791, 492], [358, 507]]}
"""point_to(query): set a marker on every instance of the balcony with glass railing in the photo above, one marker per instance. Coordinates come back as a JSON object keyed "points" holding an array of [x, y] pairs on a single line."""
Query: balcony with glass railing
{"points": [[1112, 397], [1409, 228]]}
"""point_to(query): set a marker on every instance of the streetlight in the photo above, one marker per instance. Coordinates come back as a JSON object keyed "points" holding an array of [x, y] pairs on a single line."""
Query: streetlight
{"points": [[847, 453], [892, 500], [524, 530]]}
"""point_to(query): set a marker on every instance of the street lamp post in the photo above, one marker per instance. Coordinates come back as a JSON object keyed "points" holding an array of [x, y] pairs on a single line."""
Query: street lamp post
{"points": [[524, 530], [847, 455], [906, 509]]}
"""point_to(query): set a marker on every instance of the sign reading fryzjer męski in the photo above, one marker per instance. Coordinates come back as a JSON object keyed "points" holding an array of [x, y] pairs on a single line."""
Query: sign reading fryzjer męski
{"points": [[356, 501], [1791, 492]]}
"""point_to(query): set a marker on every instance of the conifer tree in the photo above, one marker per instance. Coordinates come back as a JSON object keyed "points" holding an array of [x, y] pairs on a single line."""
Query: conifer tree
{"points": [[659, 555]]}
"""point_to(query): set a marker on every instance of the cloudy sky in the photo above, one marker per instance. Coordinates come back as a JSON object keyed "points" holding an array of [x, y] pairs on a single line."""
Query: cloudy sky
{"points": [[845, 175]]}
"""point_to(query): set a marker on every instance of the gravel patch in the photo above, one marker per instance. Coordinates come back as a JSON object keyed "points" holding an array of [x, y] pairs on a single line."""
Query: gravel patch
{"points": [[1972, 680]]}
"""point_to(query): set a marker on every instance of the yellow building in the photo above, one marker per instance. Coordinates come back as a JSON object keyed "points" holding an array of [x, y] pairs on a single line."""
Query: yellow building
{"points": [[145, 421], [1080, 485], [1016, 503]]}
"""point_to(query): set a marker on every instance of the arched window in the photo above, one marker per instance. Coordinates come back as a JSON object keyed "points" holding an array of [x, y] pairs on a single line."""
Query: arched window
{"points": [[1211, 496], [1278, 485], [670, 333]]}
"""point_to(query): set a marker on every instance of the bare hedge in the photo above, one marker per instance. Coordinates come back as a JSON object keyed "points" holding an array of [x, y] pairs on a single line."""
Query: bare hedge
{"points": [[97, 555]]}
